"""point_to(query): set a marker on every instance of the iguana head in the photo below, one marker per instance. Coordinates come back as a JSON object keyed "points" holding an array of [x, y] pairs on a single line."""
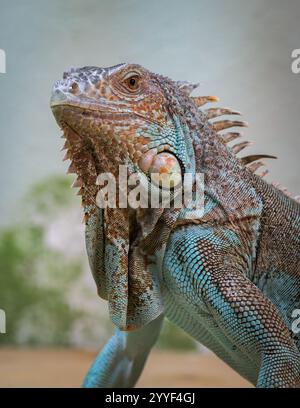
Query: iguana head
{"points": [[121, 116]]}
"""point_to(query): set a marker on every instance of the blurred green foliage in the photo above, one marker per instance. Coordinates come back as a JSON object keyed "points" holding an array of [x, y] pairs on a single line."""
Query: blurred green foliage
{"points": [[36, 313], [34, 279], [49, 196]]}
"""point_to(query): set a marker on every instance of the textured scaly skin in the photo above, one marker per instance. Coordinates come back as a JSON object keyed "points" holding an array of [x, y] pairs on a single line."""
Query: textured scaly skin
{"points": [[231, 278]]}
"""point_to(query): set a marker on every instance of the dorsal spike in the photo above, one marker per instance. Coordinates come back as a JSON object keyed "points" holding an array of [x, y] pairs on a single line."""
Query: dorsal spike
{"points": [[255, 166], [67, 156], [225, 124], [215, 112], [71, 169], [202, 100], [80, 192], [186, 87], [71, 136], [240, 146], [230, 136], [249, 159], [77, 182], [65, 146]]}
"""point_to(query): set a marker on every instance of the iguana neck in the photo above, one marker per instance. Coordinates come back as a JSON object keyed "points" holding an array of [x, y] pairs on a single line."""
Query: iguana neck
{"points": [[229, 191]]}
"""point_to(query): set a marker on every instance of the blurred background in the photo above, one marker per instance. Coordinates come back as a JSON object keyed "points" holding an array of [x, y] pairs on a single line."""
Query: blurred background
{"points": [[238, 50]]}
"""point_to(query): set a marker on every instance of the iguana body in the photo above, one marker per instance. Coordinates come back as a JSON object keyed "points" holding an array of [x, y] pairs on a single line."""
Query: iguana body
{"points": [[230, 278]]}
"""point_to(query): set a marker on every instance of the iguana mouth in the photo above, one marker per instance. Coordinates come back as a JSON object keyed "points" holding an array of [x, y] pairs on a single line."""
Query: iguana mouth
{"points": [[89, 110], [100, 111]]}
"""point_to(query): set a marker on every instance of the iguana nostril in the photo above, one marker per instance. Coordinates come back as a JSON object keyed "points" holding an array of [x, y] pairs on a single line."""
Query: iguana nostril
{"points": [[74, 87]]}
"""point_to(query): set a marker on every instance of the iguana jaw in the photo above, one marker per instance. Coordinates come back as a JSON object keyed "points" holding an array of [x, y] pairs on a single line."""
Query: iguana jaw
{"points": [[158, 162]]}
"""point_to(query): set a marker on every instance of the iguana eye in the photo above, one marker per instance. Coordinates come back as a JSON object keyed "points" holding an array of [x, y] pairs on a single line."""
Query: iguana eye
{"points": [[132, 82]]}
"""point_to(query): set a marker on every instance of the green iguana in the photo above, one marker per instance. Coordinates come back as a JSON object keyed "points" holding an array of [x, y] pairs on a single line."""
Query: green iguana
{"points": [[230, 278]]}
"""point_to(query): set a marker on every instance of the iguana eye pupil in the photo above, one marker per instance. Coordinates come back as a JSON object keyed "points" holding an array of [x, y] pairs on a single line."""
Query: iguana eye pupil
{"points": [[132, 82]]}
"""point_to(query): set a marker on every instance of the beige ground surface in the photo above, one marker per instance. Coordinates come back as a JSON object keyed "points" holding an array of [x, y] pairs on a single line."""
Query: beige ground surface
{"points": [[66, 368]]}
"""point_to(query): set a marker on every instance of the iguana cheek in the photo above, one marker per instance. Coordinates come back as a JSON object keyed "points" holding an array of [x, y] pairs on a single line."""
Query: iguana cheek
{"points": [[164, 168]]}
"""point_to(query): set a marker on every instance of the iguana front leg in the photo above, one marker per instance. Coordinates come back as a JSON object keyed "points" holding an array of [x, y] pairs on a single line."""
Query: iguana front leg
{"points": [[122, 359], [206, 273]]}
